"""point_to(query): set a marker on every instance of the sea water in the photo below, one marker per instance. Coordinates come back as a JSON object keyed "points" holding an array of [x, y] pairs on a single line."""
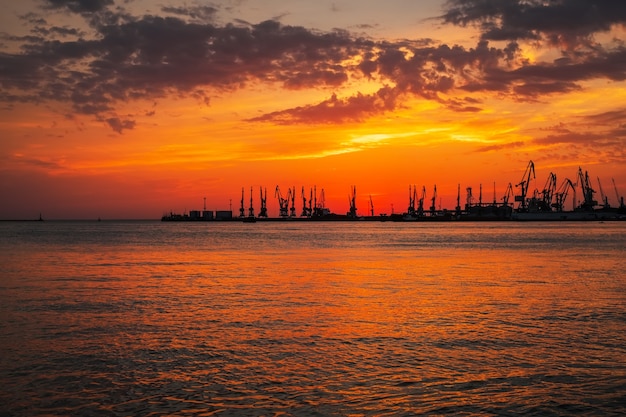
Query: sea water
{"points": [[312, 318]]}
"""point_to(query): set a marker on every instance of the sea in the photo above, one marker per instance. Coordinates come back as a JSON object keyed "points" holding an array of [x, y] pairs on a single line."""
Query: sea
{"points": [[150, 318]]}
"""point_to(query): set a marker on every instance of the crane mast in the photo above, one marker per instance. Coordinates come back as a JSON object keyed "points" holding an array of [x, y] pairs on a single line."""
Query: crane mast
{"points": [[433, 200], [420, 204], [620, 200], [371, 206], [283, 203], [469, 198], [263, 209], [352, 201], [412, 195], [250, 209], [242, 210], [306, 211], [548, 190], [585, 184], [561, 194], [291, 195], [524, 183], [507, 194], [605, 199], [319, 206]]}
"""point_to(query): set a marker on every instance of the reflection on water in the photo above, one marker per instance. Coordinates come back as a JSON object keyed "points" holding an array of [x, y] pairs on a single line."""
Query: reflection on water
{"points": [[139, 318]]}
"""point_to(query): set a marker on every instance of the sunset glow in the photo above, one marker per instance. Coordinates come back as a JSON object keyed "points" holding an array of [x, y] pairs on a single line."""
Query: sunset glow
{"points": [[131, 109]]}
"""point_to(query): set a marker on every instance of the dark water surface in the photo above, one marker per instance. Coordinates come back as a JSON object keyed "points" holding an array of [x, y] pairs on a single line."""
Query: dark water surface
{"points": [[312, 319]]}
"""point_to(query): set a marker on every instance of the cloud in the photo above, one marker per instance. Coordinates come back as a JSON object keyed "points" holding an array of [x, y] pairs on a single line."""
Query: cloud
{"points": [[79, 6], [565, 23], [529, 81], [335, 110], [186, 53], [150, 57], [600, 131], [46, 164], [614, 117], [202, 13], [499, 147], [119, 125]]}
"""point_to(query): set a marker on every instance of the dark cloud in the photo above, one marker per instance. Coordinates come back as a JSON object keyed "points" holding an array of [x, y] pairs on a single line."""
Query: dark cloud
{"points": [[203, 13], [568, 23], [119, 125], [79, 6], [335, 110], [185, 53], [530, 81]]}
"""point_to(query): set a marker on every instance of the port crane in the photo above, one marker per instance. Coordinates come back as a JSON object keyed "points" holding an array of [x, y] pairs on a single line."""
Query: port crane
{"points": [[524, 183], [352, 202], [433, 200], [420, 203], [263, 209], [371, 206], [283, 203], [507, 194], [291, 195], [320, 207], [605, 199], [560, 195], [412, 197], [588, 201], [251, 208], [242, 210], [469, 199], [620, 200], [306, 211], [547, 193]]}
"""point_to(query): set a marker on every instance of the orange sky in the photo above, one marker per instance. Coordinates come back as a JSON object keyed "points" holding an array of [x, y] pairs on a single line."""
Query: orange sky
{"points": [[129, 110]]}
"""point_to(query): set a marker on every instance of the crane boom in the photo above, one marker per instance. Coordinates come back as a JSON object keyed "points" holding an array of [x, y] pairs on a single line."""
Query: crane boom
{"points": [[605, 199], [352, 202], [242, 210], [561, 194], [305, 209], [585, 184], [283, 203], [507, 194], [433, 200], [523, 184], [548, 190], [291, 196], [420, 204], [620, 200], [412, 195], [263, 209], [250, 208]]}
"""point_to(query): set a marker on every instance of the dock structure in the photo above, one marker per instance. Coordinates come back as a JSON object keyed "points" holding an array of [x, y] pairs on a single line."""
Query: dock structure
{"points": [[547, 203]]}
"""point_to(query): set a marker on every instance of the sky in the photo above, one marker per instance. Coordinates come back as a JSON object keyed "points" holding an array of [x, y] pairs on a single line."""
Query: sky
{"points": [[132, 109]]}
